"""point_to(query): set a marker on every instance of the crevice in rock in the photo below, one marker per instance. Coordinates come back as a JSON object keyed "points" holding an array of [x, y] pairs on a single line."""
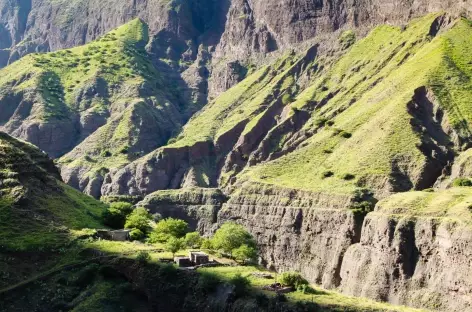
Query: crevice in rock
{"points": [[440, 23], [431, 124], [298, 222]]}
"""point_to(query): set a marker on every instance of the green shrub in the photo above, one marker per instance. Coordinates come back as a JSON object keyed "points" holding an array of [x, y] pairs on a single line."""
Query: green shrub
{"points": [[362, 208], [138, 219], [305, 289], [293, 279], [348, 177], [106, 153], [347, 39], [167, 228], [330, 123], [231, 236], [244, 254], [345, 134], [193, 240], [136, 234], [115, 215], [327, 174], [206, 244], [241, 285], [174, 244], [462, 182], [103, 171], [320, 122], [143, 257], [286, 98]]}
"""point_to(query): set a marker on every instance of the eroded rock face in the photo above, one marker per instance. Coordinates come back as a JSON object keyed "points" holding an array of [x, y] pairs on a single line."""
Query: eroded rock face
{"points": [[160, 170], [296, 231], [421, 263], [198, 207]]}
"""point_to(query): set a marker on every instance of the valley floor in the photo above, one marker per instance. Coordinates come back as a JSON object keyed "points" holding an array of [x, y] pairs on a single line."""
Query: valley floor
{"points": [[76, 265]]}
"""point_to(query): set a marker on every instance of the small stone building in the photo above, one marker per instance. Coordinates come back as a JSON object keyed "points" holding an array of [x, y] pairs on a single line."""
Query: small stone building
{"points": [[198, 257], [182, 262], [117, 235]]}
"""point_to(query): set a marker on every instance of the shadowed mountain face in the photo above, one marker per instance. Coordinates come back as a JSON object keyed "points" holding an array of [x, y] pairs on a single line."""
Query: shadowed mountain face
{"points": [[37, 210]]}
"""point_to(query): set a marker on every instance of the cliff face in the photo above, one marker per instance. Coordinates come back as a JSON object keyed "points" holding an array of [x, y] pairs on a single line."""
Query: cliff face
{"points": [[399, 253], [237, 26], [197, 206], [294, 230], [417, 262]]}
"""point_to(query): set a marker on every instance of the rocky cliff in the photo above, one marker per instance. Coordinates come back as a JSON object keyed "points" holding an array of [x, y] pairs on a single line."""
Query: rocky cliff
{"points": [[414, 250], [302, 142], [198, 207], [305, 148], [232, 29]]}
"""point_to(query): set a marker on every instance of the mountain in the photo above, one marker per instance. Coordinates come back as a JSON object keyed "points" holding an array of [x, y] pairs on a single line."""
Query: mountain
{"points": [[368, 114], [307, 147], [337, 133], [38, 211]]}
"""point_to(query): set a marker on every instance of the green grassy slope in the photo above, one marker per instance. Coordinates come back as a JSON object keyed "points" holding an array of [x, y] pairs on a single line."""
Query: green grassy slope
{"points": [[125, 106], [372, 86], [116, 58], [454, 205], [37, 211], [240, 104], [387, 112]]}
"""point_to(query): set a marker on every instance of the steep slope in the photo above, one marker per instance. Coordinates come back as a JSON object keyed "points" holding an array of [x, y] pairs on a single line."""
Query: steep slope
{"points": [[235, 33], [305, 147], [415, 249], [406, 88], [37, 210], [105, 103]]}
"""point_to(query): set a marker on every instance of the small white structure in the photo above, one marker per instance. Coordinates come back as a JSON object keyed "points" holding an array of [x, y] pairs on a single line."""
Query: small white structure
{"points": [[198, 257]]}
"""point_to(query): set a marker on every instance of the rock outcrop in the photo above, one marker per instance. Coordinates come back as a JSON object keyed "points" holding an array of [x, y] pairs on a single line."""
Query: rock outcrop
{"points": [[296, 231], [419, 262], [198, 207], [394, 254]]}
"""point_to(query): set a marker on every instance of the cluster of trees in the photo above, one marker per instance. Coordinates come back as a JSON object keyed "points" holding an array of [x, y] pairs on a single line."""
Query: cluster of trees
{"points": [[230, 239]]}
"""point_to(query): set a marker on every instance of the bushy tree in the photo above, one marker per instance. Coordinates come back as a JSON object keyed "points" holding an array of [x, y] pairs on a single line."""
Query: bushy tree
{"points": [[143, 257], [193, 240], [244, 254], [293, 279], [231, 236], [206, 244], [136, 234], [241, 285], [138, 219], [115, 215], [174, 244], [167, 228]]}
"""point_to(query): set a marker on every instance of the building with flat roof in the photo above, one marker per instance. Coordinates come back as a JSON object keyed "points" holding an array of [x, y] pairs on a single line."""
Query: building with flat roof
{"points": [[198, 257]]}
